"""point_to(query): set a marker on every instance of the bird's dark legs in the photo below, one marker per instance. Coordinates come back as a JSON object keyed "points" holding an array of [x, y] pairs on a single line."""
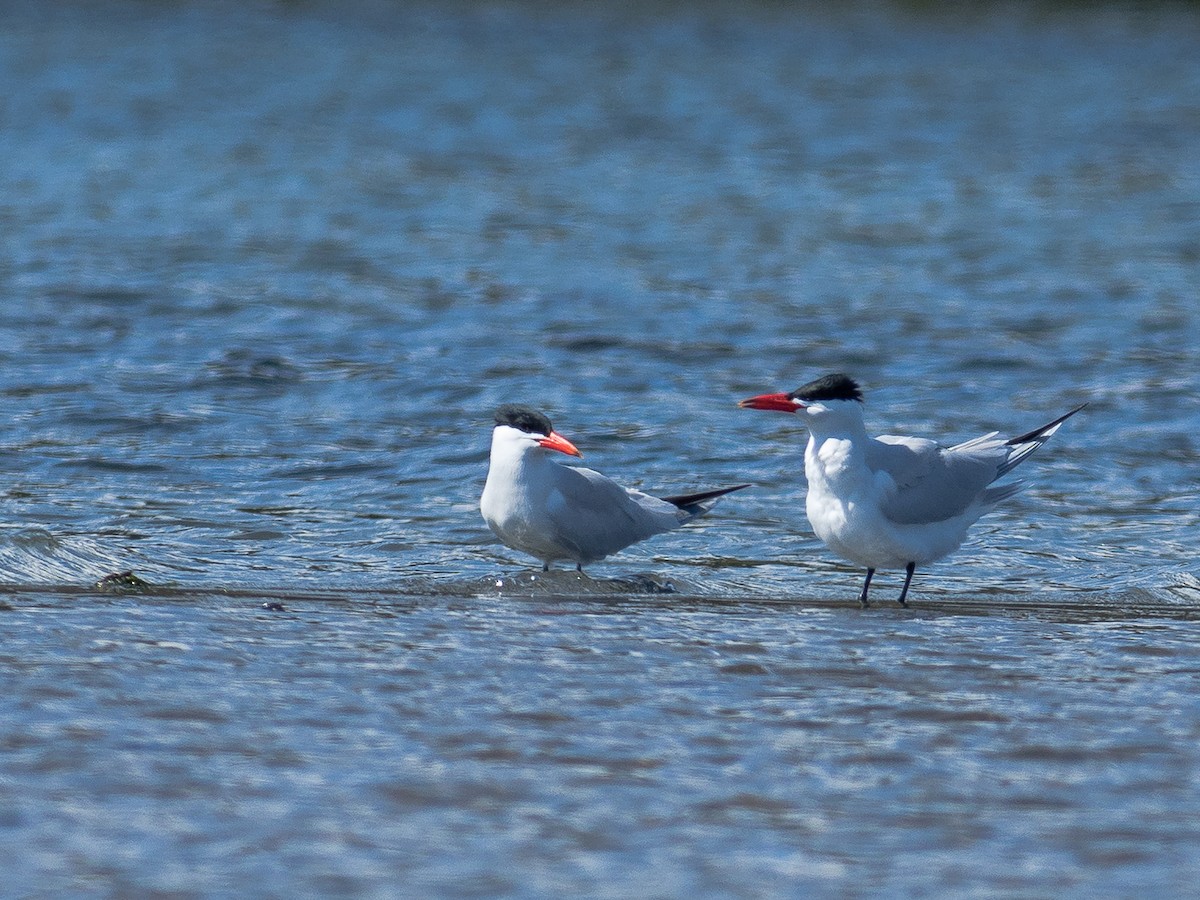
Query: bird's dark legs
{"points": [[578, 567], [862, 600], [908, 573]]}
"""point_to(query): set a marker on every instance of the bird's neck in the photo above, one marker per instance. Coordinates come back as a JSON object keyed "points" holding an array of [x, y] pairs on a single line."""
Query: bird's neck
{"points": [[517, 471], [843, 425], [836, 452]]}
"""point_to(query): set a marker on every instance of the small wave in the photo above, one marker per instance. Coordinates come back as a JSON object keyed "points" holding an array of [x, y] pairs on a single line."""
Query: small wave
{"points": [[247, 368], [321, 471], [95, 464], [558, 583], [37, 556]]}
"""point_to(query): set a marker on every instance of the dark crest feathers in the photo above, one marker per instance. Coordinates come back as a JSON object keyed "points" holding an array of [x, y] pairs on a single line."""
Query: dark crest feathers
{"points": [[522, 417], [829, 387]]}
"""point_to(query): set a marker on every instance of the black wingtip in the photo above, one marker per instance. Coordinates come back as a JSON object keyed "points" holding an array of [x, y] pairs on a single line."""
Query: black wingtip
{"points": [[1038, 432], [683, 501]]}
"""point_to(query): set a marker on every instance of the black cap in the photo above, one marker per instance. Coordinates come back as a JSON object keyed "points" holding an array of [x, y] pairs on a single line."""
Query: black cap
{"points": [[829, 387], [523, 418]]}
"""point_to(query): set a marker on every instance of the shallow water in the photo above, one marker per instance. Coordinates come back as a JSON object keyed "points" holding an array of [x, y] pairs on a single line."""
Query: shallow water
{"points": [[266, 271]]}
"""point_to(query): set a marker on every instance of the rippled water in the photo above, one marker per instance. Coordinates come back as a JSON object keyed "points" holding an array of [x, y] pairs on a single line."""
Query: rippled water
{"points": [[266, 270]]}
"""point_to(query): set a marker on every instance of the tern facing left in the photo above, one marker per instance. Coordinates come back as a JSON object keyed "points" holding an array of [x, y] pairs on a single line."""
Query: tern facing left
{"points": [[554, 512], [894, 502]]}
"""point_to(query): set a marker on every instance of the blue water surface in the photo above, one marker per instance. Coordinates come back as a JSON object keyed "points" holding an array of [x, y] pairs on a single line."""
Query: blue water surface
{"points": [[266, 270]]}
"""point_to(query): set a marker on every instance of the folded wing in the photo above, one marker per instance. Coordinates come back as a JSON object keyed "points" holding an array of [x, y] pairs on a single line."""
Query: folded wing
{"points": [[925, 483], [596, 517]]}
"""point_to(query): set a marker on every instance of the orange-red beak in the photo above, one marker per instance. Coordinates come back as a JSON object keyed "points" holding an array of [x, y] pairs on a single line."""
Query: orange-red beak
{"points": [[555, 441], [777, 402]]}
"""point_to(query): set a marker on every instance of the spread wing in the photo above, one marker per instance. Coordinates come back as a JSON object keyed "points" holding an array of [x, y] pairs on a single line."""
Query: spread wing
{"points": [[595, 516], [925, 483]]}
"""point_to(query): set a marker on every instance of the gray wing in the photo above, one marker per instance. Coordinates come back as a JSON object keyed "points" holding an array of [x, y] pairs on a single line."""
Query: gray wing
{"points": [[926, 483], [595, 516]]}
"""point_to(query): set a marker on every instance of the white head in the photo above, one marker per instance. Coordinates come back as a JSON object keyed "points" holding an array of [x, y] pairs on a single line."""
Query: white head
{"points": [[521, 430]]}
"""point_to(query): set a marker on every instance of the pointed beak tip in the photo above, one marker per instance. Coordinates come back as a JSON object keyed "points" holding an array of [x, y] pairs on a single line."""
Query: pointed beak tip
{"points": [[555, 441], [773, 402]]}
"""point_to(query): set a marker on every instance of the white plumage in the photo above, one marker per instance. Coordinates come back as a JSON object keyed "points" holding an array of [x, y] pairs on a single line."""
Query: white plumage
{"points": [[556, 512], [891, 501]]}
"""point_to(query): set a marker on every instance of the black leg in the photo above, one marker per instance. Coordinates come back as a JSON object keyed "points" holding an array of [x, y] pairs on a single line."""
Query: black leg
{"points": [[862, 600], [545, 567], [579, 568], [908, 570]]}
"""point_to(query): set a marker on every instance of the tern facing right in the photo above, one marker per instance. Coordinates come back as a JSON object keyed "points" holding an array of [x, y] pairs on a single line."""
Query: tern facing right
{"points": [[555, 512], [890, 501]]}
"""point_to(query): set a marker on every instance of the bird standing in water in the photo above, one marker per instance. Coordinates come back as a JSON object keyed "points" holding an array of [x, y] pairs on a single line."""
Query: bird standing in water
{"points": [[554, 512], [890, 501]]}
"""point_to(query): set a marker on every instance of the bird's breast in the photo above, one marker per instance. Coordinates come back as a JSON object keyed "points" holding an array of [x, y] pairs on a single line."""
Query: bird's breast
{"points": [[841, 503], [835, 466]]}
